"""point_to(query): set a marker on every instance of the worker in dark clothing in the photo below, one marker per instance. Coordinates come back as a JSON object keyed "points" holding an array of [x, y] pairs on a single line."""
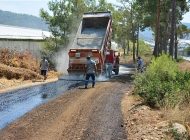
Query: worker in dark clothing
{"points": [[117, 59], [140, 64], [90, 71], [44, 65]]}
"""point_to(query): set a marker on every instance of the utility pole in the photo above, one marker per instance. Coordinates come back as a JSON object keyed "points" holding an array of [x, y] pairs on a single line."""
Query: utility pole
{"points": [[173, 29]]}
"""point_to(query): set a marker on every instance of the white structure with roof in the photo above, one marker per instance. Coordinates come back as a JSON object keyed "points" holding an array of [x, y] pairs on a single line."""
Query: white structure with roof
{"points": [[22, 39]]}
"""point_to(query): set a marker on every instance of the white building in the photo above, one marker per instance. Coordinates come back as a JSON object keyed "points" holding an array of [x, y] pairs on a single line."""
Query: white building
{"points": [[22, 39]]}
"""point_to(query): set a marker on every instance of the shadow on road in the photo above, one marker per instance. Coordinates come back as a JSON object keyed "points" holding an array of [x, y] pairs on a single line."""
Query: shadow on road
{"points": [[123, 78]]}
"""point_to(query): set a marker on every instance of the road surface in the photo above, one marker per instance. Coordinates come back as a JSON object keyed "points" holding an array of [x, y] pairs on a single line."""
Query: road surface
{"points": [[88, 114]]}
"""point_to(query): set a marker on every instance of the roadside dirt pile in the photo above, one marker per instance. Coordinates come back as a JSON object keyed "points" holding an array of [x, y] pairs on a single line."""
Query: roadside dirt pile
{"points": [[15, 65]]}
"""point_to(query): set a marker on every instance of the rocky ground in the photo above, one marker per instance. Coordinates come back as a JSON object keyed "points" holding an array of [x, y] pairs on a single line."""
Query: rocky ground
{"points": [[142, 122]]}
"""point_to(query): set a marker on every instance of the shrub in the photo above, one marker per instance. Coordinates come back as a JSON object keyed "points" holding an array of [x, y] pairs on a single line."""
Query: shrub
{"points": [[162, 84], [187, 50]]}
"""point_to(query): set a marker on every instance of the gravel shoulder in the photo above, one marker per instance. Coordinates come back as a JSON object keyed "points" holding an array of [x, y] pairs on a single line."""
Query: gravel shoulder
{"points": [[142, 122]]}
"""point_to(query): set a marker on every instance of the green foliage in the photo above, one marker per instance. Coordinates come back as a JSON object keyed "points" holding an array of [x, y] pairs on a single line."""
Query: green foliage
{"points": [[178, 136], [49, 48], [144, 48], [150, 10], [187, 50], [61, 19], [162, 84], [163, 68], [180, 59]]}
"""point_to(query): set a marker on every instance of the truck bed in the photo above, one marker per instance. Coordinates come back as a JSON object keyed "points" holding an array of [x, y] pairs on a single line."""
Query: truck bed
{"points": [[91, 32], [90, 38]]}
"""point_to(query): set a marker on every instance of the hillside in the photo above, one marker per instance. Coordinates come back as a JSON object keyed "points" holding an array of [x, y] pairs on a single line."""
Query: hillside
{"points": [[187, 24], [22, 20]]}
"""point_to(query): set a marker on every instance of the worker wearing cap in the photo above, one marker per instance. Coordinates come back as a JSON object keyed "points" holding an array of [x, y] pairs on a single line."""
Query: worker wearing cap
{"points": [[90, 71]]}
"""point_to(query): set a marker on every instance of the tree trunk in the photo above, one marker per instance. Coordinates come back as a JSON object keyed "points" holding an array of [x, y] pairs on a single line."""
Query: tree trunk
{"points": [[161, 48], [157, 38], [128, 47], [173, 26], [134, 58], [133, 34], [167, 33], [165, 39], [138, 42], [176, 45], [56, 43]]}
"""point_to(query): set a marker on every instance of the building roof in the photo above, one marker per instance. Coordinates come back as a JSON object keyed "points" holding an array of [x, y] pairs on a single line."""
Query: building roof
{"points": [[14, 32]]}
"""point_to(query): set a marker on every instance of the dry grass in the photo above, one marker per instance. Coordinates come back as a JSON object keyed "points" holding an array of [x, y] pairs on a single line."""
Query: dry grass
{"points": [[178, 114], [53, 74], [19, 60], [129, 59], [15, 65], [17, 73], [184, 65]]}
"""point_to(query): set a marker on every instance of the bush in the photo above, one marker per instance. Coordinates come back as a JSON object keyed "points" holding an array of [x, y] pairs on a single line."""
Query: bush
{"points": [[162, 84], [187, 50]]}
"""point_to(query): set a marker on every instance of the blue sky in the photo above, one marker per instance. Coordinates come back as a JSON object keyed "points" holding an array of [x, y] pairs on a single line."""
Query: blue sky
{"points": [[32, 7]]}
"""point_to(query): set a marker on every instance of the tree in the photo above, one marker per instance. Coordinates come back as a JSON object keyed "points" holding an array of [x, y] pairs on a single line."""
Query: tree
{"points": [[156, 14], [157, 35], [173, 28], [60, 20], [91, 5]]}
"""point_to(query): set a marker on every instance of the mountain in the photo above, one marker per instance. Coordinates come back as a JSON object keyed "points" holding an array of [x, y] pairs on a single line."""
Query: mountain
{"points": [[22, 20], [187, 24]]}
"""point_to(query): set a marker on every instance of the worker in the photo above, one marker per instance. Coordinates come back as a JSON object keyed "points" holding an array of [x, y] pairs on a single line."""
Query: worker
{"points": [[109, 63], [117, 59], [90, 71], [140, 64], [44, 65]]}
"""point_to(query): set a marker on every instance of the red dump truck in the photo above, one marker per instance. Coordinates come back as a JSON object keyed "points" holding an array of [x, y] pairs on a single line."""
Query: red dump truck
{"points": [[93, 39]]}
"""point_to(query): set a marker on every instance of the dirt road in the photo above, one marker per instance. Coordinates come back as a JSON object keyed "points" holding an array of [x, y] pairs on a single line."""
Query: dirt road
{"points": [[93, 114]]}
